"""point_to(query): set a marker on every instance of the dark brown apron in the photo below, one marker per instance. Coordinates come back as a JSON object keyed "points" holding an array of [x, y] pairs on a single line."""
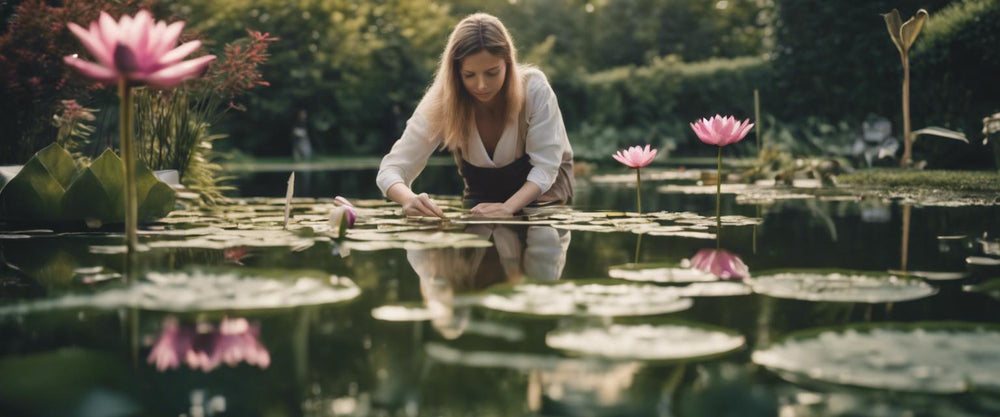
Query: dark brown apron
{"points": [[496, 185]]}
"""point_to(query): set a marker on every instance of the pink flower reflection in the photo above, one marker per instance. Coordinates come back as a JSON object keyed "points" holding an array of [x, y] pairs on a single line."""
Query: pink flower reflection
{"points": [[720, 263], [205, 346]]}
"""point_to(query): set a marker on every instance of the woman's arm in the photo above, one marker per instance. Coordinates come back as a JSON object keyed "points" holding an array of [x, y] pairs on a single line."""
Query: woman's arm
{"points": [[413, 204], [404, 162], [529, 192]]}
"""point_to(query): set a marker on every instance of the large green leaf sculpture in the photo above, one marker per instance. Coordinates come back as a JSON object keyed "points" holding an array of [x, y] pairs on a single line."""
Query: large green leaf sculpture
{"points": [[50, 188]]}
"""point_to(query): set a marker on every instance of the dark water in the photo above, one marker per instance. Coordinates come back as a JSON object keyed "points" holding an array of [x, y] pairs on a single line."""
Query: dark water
{"points": [[338, 360]]}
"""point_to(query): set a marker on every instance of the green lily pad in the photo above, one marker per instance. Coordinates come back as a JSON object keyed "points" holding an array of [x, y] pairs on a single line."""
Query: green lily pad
{"points": [[839, 286], [716, 289], [585, 298], [403, 312], [659, 272], [940, 358], [982, 261], [647, 342], [932, 275], [219, 290], [515, 360], [990, 287]]}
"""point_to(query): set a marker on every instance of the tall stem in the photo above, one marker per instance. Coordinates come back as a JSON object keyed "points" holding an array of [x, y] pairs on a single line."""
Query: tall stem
{"points": [[638, 191], [756, 114], [125, 96], [638, 243], [907, 138], [718, 201], [904, 250]]}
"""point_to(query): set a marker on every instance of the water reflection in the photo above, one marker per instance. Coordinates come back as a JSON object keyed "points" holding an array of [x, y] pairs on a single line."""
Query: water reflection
{"points": [[721, 263], [536, 253], [205, 345]]}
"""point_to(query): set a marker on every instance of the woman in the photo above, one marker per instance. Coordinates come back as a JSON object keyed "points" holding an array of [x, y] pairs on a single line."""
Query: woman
{"points": [[500, 120]]}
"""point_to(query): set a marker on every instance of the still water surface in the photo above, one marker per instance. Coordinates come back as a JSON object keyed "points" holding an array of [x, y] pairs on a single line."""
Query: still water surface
{"points": [[408, 333]]}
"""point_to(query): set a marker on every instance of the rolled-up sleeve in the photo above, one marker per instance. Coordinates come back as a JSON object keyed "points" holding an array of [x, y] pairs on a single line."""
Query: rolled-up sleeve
{"points": [[546, 138], [409, 154]]}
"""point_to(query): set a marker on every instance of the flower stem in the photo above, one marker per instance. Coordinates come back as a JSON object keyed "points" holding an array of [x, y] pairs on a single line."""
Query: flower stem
{"points": [[638, 242], [718, 201], [907, 136], [125, 97], [638, 191]]}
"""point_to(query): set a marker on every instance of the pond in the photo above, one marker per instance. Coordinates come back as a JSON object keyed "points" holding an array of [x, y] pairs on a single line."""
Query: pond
{"points": [[830, 302]]}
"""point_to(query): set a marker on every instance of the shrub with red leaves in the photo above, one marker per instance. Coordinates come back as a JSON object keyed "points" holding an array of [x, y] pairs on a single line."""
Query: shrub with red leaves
{"points": [[32, 73]]}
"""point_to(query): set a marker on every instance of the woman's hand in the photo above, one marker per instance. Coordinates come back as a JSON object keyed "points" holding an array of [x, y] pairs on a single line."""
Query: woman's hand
{"points": [[492, 210], [421, 205]]}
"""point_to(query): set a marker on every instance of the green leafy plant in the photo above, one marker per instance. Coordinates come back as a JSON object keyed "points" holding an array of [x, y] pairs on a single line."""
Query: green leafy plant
{"points": [[173, 127], [50, 188]]}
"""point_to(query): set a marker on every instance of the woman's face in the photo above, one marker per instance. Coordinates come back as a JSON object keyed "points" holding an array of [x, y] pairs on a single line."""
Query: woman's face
{"points": [[483, 75]]}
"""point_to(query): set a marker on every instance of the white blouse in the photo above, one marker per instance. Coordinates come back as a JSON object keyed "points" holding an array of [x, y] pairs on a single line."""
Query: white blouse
{"points": [[545, 143]]}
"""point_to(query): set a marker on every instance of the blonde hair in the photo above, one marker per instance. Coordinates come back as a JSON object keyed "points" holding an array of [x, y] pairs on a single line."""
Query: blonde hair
{"points": [[450, 105]]}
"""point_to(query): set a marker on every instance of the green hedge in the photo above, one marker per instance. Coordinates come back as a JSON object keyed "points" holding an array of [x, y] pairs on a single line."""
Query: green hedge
{"points": [[653, 104], [955, 65]]}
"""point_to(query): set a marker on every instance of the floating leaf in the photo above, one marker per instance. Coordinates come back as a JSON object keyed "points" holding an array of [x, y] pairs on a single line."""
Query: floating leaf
{"points": [[982, 261], [990, 288], [514, 360], [196, 291], [659, 272], [606, 299], [664, 342], [403, 312], [940, 358], [932, 275], [840, 286], [716, 289]]}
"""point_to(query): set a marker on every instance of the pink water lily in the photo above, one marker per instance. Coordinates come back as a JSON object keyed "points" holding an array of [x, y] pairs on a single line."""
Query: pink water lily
{"points": [[721, 263], [636, 156], [342, 218], [138, 49], [721, 131]]}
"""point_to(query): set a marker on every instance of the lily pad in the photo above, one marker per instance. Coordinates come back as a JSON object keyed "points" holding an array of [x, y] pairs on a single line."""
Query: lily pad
{"points": [[990, 287], [659, 272], [196, 291], [932, 275], [716, 289], [403, 312], [982, 261], [940, 358], [840, 286], [664, 342], [594, 298]]}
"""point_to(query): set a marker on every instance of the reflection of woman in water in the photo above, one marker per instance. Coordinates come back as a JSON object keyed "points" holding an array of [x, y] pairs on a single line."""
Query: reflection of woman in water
{"points": [[536, 253]]}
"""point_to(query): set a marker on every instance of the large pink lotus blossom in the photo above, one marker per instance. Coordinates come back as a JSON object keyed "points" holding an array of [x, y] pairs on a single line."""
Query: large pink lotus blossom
{"points": [[720, 263], [636, 156], [721, 131], [138, 49]]}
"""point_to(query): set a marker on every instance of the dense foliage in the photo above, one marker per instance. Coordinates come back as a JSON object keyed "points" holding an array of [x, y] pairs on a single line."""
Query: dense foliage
{"points": [[356, 70], [33, 77], [955, 65]]}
